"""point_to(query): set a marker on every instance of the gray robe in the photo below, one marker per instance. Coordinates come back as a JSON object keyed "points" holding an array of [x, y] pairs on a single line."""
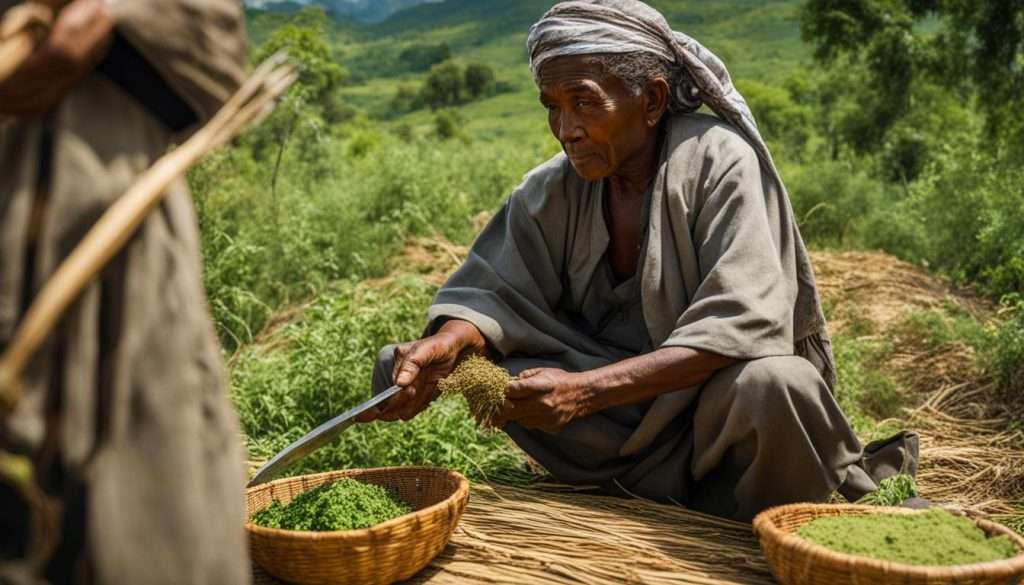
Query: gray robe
{"points": [[719, 270], [722, 270], [125, 410]]}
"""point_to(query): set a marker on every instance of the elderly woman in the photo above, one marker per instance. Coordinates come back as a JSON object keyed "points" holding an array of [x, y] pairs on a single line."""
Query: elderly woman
{"points": [[650, 289]]}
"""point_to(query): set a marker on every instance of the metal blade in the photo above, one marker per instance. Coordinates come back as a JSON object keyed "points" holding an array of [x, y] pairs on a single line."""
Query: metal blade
{"points": [[316, 438]]}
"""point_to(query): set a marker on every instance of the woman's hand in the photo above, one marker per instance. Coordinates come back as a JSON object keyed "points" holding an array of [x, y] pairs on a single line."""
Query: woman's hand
{"points": [[77, 42], [420, 365], [545, 399]]}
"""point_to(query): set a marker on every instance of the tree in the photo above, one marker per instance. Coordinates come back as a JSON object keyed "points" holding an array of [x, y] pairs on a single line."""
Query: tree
{"points": [[448, 124], [305, 41], [478, 78], [405, 100], [977, 51], [422, 57], [443, 86]]}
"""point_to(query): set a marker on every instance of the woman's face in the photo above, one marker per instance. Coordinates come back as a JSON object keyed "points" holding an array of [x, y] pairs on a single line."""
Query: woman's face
{"points": [[600, 123]]}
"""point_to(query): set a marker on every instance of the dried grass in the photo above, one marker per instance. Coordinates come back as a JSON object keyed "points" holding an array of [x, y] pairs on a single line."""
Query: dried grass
{"points": [[513, 535], [970, 457]]}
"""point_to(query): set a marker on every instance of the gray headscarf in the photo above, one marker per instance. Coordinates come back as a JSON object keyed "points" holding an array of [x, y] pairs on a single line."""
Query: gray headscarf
{"points": [[589, 27]]}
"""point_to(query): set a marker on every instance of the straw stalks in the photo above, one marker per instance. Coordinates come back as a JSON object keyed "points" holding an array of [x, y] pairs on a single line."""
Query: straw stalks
{"points": [[250, 104], [512, 535]]}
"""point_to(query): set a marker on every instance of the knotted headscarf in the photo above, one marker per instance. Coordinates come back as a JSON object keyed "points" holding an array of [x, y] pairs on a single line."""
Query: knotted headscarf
{"points": [[590, 27]]}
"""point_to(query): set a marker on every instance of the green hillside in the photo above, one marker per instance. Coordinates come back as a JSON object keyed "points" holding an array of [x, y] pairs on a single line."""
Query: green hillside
{"points": [[757, 40]]}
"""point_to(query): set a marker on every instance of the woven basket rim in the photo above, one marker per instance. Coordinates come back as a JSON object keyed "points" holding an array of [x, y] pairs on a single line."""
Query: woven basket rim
{"points": [[765, 528], [462, 487]]}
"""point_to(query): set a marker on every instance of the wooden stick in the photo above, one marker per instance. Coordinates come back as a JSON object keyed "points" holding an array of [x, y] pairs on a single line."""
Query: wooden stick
{"points": [[108, 236]]}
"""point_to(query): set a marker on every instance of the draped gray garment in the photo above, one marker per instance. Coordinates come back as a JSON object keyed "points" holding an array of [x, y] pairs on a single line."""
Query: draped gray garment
{"points": [[718, 272], [589, 27], [719, 269], [125, 410]]}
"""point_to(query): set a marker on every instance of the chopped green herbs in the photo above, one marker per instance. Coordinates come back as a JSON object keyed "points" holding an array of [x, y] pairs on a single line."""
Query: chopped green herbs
{"points": [[345, 504], [931, 537]]}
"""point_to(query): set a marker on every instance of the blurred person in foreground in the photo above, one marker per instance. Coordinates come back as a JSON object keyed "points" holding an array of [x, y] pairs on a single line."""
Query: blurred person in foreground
{"points": [[650, 288], [124, 414]]}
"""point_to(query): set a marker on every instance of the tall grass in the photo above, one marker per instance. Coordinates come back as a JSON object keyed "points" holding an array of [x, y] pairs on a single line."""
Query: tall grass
{"points": [[322, 364], [337, 215]]}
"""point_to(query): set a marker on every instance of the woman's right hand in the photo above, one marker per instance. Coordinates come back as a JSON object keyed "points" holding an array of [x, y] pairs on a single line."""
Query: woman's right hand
{"points": [[420, 365]]}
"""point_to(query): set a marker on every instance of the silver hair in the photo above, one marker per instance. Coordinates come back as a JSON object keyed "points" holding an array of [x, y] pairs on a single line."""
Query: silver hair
{"points": [[637, 68]]}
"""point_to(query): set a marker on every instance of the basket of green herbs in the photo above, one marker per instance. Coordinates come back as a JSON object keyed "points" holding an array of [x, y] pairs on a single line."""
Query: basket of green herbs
{"points": [[354, 526], [839, 544]]}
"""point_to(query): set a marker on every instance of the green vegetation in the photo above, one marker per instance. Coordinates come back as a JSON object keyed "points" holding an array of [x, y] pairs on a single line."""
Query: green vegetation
{"points": [[932, 537], [481, 383], [867, 394], [312, 369], [892, 491], [345, 504]]}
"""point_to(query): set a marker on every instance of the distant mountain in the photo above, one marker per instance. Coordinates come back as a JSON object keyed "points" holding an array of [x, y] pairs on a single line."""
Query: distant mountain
{"points": [[363, 11]]}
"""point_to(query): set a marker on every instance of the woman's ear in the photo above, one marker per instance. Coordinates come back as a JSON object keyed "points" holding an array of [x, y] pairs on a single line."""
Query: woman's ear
{"points": [[656, 98]]}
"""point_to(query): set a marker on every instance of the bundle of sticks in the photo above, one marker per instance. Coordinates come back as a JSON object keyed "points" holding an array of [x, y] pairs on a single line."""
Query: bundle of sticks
{"points": [[250, 104]]}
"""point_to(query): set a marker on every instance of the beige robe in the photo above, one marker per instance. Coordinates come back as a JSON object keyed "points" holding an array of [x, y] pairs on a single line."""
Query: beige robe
{"points": [[143, 450]]}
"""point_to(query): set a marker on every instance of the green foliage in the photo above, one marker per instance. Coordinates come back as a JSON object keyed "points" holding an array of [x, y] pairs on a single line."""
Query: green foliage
{"points": [[447, 125], [892, 491], [322, 365], [479, 78], [336, 215], [831, 200], [1003, 352], [422, 57], [444, 86], [866, 395], [345, 504], [305, 41], [976, 50], [964, 215]]}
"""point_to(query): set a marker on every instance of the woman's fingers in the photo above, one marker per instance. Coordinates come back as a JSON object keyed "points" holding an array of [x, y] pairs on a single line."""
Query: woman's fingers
{"points": [[519, 389], [397, 406]]}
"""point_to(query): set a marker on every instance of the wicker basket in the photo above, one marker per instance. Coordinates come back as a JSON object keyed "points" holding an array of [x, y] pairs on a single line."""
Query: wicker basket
{"points": [[795, 561], [385, 553]]}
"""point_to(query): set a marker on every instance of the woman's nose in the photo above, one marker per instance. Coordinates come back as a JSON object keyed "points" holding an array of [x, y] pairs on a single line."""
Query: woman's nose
{"points": [[569, 129]]}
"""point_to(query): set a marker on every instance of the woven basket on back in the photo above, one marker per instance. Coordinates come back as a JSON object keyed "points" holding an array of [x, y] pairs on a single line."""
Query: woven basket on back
{"points": [[795, 561], [385, 553]]}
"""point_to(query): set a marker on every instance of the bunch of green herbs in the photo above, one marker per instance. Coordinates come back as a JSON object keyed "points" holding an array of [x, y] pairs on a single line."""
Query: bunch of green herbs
{"points": [[892, 491]]}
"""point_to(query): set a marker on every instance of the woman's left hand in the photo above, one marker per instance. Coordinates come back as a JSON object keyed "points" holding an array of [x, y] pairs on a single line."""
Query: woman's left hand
{"points": [[543, 398]]}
